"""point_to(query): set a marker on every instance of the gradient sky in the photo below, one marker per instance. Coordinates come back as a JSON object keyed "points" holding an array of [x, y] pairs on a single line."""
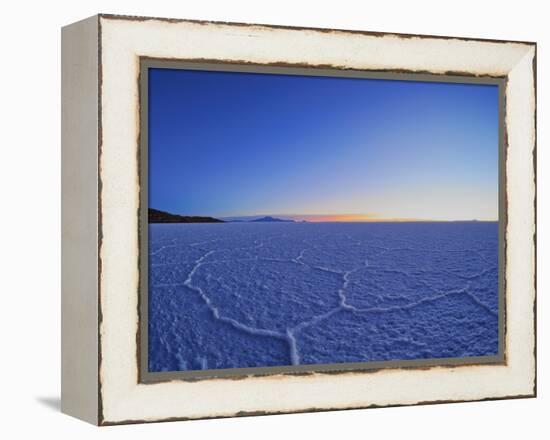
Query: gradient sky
{"points": [[236, 144]]}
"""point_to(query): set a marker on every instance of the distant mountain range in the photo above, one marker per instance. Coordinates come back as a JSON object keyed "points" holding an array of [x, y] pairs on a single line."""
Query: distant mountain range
{"points": [[271, 219], [157, 216]]}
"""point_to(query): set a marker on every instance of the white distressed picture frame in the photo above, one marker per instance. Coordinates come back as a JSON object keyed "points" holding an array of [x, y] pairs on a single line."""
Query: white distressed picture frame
{"points": [[101, 202]]}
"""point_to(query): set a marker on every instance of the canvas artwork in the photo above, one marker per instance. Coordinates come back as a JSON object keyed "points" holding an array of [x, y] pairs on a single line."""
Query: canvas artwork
{"points": [[302, 220], [266, 219]]}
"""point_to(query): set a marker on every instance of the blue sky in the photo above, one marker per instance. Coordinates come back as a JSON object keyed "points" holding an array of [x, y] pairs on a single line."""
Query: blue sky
{"points": [[237, 144]]}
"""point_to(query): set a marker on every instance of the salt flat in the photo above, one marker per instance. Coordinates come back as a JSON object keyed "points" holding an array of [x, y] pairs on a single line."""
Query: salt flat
{"points": [[233, 295]]}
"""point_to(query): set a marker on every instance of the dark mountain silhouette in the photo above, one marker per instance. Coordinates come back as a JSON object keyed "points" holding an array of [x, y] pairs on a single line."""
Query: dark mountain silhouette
{"points": [[156, 216], [271, 219]]}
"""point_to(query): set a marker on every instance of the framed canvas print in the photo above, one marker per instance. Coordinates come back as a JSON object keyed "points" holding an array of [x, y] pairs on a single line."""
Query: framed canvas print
{"points": [[262, 219]]}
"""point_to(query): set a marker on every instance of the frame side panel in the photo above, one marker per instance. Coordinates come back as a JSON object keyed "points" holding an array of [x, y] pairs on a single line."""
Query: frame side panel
{"points": [[79, 256]]}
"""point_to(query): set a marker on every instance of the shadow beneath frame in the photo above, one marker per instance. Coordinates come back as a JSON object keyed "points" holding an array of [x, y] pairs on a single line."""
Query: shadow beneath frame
{"points": [[52, 403]]}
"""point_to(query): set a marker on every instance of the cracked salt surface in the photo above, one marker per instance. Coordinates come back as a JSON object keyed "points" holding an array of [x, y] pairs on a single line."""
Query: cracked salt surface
{"points": [[239, 295]]}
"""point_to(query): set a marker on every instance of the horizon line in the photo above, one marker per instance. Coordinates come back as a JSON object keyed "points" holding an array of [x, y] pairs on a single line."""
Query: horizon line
{"points": [[381, 220], [334, 218], [348, 218]]}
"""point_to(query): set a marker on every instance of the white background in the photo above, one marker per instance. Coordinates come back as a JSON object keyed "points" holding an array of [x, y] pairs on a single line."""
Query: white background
{"points": [[30, 217]]}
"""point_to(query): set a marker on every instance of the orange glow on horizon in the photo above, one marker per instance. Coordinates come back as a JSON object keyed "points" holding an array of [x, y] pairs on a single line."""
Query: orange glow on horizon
{"points": [[371, 218], [341, 218]]}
